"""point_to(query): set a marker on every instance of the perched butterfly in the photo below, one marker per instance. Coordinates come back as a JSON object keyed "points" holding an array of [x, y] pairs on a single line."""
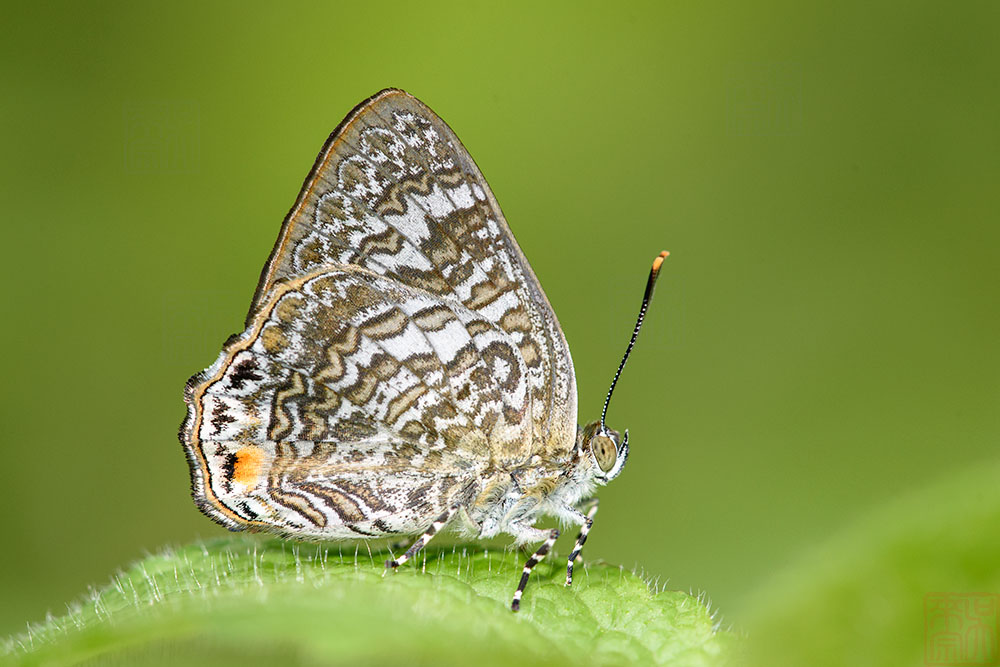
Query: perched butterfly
{"points": [[401, 368]]}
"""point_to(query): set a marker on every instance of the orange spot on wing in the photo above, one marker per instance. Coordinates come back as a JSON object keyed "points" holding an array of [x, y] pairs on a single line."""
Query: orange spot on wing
{"points": [[249, 466]]}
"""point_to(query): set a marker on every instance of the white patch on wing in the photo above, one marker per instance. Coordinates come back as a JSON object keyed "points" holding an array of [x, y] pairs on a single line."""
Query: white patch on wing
{"points": [[448, 340], [437, 203], [496, 309], [411, 341], [408, 257], [411, 224], [462, 196]]}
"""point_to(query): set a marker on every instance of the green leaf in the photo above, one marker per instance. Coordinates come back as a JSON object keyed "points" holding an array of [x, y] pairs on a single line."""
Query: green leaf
{"points": [[248, 602], [860, 598]]}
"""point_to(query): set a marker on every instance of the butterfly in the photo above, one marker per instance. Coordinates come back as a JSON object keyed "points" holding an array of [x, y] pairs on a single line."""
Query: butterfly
{"points": [[401, 369]]}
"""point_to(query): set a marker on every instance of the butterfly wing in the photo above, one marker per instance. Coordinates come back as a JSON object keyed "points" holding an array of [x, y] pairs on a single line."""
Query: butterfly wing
{"points": [[395, 192], [353, 404], [398, 347]]}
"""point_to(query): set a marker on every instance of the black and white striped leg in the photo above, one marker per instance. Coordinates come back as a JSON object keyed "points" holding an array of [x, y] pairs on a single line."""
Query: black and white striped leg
{"points": [[581, 539], [535, 559], [423, 539]]}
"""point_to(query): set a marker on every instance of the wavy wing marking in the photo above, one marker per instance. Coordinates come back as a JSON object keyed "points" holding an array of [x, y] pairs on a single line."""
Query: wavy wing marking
{"points": [[353, 404], [395, 192]]}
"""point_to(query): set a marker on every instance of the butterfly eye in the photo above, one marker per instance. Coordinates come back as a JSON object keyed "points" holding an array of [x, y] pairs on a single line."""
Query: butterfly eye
{"points": [[604, 451]]}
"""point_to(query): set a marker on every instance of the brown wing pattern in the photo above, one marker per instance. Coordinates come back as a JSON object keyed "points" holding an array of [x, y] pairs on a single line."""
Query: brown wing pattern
{"points": [[353, 399], [395, 192]]}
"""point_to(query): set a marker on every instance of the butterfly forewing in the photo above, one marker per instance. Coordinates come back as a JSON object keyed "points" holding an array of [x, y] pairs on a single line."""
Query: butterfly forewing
{"points": [[394, 191]]}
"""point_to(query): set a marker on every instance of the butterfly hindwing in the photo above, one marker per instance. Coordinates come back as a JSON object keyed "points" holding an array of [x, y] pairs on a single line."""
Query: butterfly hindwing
{"points": [[346, 389]]}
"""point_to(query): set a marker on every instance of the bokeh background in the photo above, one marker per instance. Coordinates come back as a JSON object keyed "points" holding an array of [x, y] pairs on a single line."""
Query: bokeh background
{"points": [[824, 337]]}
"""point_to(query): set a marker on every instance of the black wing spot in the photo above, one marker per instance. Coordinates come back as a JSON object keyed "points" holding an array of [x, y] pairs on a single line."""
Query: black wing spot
{"points": [[245, 371]]}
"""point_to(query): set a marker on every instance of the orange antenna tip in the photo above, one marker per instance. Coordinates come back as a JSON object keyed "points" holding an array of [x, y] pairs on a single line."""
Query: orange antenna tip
{"points": [[659, 260], [650, 283]]}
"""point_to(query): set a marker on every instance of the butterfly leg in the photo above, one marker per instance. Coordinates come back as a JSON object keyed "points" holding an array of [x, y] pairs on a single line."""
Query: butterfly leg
{"points": [[581, 539], [535, 559], [423, 539]]}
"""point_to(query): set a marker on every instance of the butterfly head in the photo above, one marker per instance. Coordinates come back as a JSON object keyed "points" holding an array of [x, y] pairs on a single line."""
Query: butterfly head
{"points": [[607, 447]]}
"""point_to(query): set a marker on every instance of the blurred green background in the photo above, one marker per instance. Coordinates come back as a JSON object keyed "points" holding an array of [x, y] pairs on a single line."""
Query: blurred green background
{"points": [[825, 333]]}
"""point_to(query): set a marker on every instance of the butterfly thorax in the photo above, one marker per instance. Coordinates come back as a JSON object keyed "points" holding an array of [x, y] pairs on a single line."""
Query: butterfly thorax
{"points": [[514, 498]]}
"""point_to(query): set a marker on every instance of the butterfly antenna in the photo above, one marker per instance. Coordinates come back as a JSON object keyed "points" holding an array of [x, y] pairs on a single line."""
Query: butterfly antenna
{"points": [[646, 297]]}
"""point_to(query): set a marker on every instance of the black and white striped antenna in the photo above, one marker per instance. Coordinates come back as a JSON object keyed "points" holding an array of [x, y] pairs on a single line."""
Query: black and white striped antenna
{"points": [[646, 297]]}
